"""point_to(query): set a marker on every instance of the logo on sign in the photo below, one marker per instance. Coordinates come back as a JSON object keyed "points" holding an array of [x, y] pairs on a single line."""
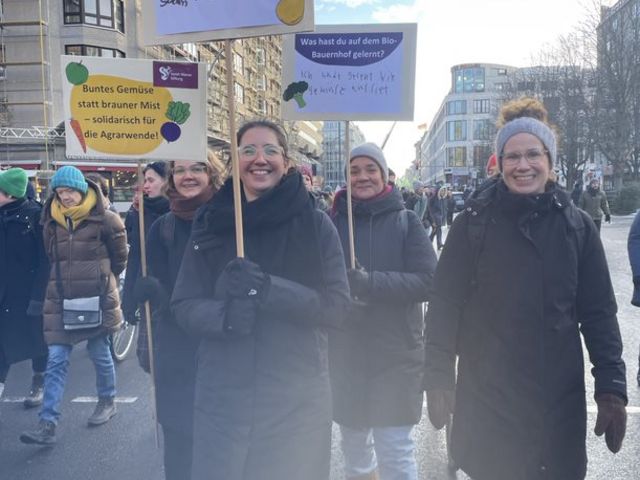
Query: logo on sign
{"points": [[175, 74]]}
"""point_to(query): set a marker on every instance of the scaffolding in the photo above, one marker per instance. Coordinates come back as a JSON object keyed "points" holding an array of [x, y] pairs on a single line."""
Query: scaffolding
{"points": [[25, 82]]}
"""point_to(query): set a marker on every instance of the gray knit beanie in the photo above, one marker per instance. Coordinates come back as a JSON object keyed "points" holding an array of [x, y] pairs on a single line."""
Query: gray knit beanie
{"points": [[527, 125], [372, 151]]}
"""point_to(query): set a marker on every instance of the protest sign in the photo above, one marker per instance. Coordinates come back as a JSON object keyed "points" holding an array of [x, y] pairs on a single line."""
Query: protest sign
{"points": [[182, 21], [350, 72], [134, 109]]}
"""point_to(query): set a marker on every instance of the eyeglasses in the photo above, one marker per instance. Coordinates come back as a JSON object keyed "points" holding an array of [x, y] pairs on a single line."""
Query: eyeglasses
{"points": [[534, 156], [196, 169], [269, 151]]}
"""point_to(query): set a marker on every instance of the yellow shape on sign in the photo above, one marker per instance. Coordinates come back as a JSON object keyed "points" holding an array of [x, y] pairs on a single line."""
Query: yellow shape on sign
{"points": [[119, 116]]}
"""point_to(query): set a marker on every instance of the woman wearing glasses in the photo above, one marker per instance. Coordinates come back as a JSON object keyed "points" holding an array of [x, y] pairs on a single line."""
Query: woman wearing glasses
{"points": [[263, 401], [523, 272], [190, 185]]}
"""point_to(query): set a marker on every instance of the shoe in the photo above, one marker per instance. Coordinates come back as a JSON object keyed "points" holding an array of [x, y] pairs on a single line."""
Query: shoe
{"points": [[105, 409], [44, 435], [36, 393]]}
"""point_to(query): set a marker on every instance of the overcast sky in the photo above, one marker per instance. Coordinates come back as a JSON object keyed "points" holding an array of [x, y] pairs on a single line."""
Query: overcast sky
{"points": [[451, 32]]}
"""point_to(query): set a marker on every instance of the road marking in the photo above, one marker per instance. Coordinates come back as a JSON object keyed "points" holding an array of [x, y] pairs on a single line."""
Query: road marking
{"points": [[75, 400], [95, 400]]}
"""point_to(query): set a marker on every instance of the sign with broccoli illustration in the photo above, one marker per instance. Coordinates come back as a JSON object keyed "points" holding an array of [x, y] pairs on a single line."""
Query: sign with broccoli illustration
{"points": [[182, 21], [131, 109], [350, 72]]}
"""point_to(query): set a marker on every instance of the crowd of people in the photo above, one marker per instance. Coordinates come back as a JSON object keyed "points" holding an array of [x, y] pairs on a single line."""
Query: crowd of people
{"points": [[257, 355]]}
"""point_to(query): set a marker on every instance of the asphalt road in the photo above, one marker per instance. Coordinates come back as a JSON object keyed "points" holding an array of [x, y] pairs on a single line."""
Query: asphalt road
{"points": [[124, 448]]}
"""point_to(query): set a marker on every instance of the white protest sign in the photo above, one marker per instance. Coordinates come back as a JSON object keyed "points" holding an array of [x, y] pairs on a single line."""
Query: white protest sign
{"points": [[350, 72], [184, 21], [124, 109]]}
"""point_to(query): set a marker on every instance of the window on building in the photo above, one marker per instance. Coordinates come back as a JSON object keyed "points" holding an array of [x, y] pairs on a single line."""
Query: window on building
{"points": [[482, 106], [526, 86], [482, 129], [262, 82], [467, 80], [456, 130], [262, 106], [502, 71], [101, 13], [481, 154], [93, 51], [457, 107], [502, 87], [238, 64], [456, 156], [260, 56], [239, 91]]}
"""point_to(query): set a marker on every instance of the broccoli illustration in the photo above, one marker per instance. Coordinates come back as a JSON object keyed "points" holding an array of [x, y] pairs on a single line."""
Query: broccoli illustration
{"points": [[295, 90]]}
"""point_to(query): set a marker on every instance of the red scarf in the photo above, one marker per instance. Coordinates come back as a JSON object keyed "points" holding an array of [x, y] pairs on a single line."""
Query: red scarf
{"points": [[185, 208]]}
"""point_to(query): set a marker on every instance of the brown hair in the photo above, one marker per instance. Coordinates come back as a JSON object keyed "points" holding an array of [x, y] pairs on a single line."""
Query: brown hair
{"points": [[522, 107], [100, 181]]}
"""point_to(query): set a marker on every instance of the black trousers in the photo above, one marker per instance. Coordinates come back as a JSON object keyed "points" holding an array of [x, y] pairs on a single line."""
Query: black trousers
{"points": [[598, 224], [38, 364], [178, 453]]}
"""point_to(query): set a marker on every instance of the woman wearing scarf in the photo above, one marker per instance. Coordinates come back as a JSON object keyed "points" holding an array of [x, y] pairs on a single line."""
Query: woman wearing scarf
{"points": [[263, 400], [522, 275], [377, 360], [87, 247], [190, 185], [155, 205]]}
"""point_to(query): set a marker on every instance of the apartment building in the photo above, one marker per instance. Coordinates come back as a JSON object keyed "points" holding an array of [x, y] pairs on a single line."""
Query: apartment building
{"points": [[335, 152]]}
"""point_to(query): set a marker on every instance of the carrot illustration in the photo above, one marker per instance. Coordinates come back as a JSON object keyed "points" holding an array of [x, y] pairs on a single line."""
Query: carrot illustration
{"points": [[77, 129]]}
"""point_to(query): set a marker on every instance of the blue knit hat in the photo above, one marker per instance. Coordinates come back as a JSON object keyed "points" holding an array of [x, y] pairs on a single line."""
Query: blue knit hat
{"points": [[69, 177]]}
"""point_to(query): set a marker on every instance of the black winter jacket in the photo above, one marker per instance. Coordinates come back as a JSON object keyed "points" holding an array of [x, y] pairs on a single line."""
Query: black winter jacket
{"points": [[263, 401], [24, 271], [154, 208], [377, 358], [519, 279], [175, 351]]}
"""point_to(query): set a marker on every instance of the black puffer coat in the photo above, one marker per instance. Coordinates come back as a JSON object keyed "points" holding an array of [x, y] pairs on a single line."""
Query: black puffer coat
{"points": [[377, 358], [263, 401], [24, 268], [518, 280]]}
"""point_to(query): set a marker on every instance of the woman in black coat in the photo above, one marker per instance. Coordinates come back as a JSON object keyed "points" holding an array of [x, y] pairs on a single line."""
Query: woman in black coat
{"points": [[155, 205], [190, 185], [377, 358], [522, 274], [263, 400], [24, 268]]}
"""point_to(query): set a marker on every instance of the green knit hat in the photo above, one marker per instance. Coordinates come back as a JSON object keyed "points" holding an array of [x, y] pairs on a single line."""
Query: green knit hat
{"points": [[14, 182]]}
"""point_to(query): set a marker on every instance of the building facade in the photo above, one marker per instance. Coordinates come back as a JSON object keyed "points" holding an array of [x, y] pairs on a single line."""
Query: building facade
{"points": [[335, 152], [459, 141], [33, 35]]}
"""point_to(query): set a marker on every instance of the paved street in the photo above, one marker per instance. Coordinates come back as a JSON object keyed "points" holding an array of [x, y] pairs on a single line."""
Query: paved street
{"points": [[124, 448]]}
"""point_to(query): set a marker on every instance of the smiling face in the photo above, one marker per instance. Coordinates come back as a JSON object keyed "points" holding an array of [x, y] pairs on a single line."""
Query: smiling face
{"points": [[190, 178], [152, 183], [525, 164], [262, 161], [366, 178]]}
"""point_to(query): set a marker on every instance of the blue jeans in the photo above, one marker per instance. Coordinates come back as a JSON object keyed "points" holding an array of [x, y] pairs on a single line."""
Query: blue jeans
{"points": [[390, 449], [55, 376]]}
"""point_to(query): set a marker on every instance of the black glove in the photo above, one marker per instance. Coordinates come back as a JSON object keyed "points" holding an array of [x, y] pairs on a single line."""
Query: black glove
{"points": [[611, 420], [241, 278], [34, 309], [359, 282], [635, 299], [607, 218], [130, 317], [149, 289], [440, 405]]}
